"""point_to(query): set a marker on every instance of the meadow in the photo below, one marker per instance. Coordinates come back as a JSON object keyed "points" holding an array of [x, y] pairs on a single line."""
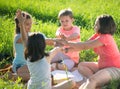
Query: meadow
{"points": [[45, 20]]}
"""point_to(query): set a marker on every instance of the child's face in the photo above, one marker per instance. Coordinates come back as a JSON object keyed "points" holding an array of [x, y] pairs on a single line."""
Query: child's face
{"points": [[66, 22], [28, 24]]}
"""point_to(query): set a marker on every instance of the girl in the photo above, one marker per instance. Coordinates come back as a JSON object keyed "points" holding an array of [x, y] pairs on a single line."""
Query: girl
{"points": [[37, 58], [19, 65], [68, 32]]}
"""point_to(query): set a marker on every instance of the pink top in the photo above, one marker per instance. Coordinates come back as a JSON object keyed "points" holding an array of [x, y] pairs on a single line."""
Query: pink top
{"points": [[109, 55], [73, 55]]}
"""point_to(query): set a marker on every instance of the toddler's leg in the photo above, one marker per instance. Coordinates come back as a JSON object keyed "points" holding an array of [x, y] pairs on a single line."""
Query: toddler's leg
{"points": [[69, 63], [57, 57]]}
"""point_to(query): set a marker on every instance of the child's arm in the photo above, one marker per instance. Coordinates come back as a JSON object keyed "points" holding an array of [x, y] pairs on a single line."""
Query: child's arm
{"points": [[21, 20], [51, 41], [73, 36]]}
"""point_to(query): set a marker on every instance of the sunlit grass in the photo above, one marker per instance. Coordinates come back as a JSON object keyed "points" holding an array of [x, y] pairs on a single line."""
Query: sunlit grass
{"points": [[9, 84], [45, 20]]}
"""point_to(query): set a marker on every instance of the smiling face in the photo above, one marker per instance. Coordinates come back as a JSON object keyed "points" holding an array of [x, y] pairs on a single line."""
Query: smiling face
{"points": [[66, 22]]}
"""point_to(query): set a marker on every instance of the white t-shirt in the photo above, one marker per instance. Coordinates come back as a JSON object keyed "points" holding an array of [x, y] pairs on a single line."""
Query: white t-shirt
{"points": [[40, 75]]}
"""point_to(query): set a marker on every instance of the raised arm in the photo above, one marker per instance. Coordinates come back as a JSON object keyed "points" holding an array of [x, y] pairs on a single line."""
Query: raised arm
{"points": [[23, 32]]}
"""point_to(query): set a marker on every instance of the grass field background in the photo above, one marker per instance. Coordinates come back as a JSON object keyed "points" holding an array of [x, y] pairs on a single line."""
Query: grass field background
{"points": [[45, 20]]}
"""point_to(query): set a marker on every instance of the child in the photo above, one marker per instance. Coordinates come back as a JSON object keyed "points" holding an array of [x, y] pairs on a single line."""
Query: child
{"points": [[19, 65], [68, 32], [37, 58]]}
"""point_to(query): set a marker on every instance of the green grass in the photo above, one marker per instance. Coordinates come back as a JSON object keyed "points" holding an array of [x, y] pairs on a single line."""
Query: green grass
{"points": [[7, 84], [45, 20], [6, 35], [85, 11]]}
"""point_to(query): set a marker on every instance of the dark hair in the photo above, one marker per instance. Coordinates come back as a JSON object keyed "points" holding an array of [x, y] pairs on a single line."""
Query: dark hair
{"points": [[17, 28], [65, 12], [36, 47], [107, 24]]}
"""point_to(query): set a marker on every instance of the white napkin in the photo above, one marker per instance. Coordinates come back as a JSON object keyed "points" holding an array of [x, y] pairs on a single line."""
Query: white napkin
{"points": [[61, 74]]}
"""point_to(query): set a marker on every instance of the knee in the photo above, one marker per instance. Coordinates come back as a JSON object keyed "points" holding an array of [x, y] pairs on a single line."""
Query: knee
{"points": [[80, 66]]}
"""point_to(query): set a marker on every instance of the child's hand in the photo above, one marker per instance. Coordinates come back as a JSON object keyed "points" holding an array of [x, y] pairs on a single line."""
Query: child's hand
{"points": [[58, 44], [64, 42], [62, 36], [20, 17], [58, 49], [64, 50]]}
